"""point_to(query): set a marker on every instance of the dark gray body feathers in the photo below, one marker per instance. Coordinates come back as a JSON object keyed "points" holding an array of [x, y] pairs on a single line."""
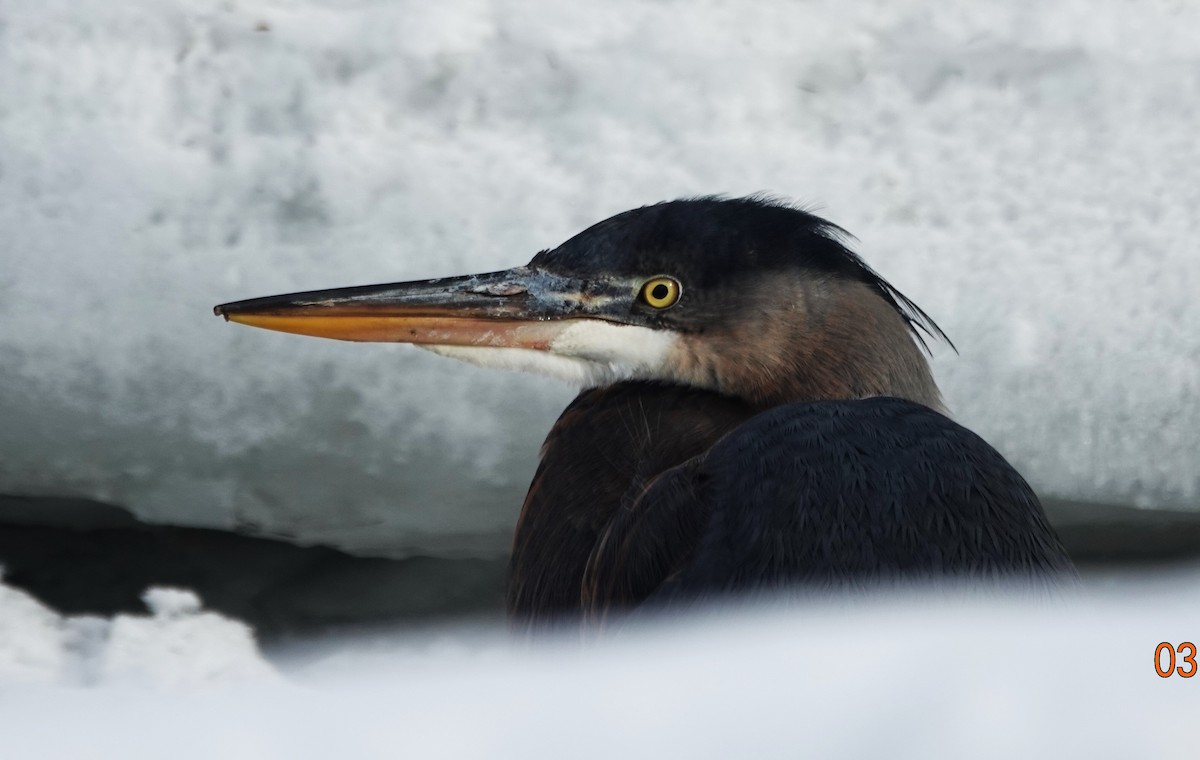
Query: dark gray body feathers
{"points": [[811, 495]]}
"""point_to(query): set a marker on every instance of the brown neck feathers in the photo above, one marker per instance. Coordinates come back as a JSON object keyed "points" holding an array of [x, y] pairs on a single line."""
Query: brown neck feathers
{"points": [[832, 340]]}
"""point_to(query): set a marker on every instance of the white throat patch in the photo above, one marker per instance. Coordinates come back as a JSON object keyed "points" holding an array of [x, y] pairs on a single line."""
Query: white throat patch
{"points": [[588, 352]]}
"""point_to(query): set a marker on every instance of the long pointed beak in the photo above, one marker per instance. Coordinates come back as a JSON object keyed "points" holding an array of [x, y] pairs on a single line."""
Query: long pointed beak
{"points": [[518, 307]]}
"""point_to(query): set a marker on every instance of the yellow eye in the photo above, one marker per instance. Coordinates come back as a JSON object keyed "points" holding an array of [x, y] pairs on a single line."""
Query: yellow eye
{"points": [[661, 292]]}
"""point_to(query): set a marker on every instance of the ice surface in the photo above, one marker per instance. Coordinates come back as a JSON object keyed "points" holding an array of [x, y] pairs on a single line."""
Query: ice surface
{"points": [[954, 677], [1028, 172]]}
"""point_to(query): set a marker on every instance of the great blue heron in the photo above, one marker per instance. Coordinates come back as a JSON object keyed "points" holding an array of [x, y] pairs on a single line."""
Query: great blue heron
{"points": [[757, 412]]}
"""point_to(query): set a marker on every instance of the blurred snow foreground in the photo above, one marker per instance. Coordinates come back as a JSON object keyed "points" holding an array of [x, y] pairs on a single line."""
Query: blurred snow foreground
{"points": [[1028, 172], [903, 677], [177, 646]]}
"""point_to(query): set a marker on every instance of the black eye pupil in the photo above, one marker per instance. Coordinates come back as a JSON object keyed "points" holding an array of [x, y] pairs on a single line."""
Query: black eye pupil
{"points": [[659, 292]]}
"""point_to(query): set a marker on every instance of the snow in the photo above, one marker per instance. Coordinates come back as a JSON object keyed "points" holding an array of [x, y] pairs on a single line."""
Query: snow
{"points": [[923, 676], [175, 648], [32, 640], [1027, 172]]}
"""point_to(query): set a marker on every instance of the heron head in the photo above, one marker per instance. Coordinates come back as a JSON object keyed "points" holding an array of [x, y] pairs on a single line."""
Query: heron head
{"points": [[747, 297]]}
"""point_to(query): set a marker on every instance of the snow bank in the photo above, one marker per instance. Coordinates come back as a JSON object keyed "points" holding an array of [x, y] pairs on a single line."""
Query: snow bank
{"points": [[900, 678], [33, 642], [177, 647], [1028, 173]]}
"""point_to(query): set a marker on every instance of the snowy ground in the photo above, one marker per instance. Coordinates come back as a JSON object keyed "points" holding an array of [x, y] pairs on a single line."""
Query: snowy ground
{"points": [[908, 677], [177, 646], [1027, 172]]}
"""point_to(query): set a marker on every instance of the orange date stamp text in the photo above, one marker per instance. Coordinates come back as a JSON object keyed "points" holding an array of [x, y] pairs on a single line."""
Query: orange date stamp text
{"points": [[1170, 660]]}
